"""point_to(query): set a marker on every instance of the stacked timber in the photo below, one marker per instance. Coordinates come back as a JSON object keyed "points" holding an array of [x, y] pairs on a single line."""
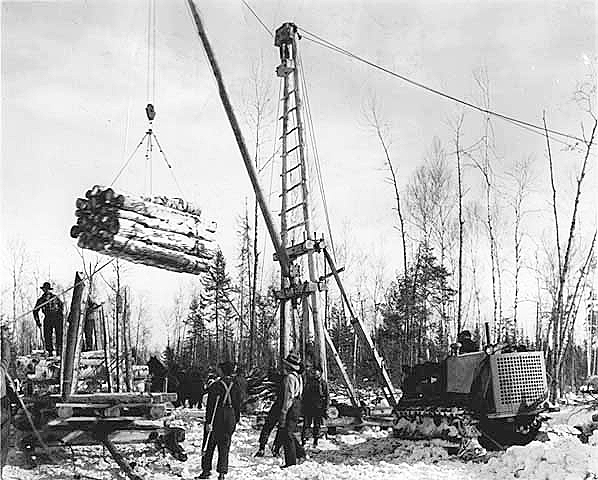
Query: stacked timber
{"points": [[155, 231]]}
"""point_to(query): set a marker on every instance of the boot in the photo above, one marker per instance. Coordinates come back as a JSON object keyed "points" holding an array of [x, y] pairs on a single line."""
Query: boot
{"points": [[204, 474], [221, 476]]}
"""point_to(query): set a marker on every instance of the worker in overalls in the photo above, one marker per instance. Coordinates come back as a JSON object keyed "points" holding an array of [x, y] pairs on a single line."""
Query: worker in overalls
{"points": [[292, 390], [52, 308], [5, 411], [223, 411]]}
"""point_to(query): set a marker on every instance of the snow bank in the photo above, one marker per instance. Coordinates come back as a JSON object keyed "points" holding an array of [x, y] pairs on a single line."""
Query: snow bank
{"points": [[563, 459], [367, 455]]}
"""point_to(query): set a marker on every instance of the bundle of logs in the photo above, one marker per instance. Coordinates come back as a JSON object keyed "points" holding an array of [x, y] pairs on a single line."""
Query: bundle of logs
{"points": [[157, 231]]}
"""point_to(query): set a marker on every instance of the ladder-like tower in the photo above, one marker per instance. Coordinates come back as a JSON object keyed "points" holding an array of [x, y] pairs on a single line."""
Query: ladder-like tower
{"points": [[294, 291], [299, 301]]}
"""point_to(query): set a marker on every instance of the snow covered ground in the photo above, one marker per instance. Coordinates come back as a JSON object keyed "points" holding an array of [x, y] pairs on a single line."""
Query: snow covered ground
{"points": [[369, 455]]}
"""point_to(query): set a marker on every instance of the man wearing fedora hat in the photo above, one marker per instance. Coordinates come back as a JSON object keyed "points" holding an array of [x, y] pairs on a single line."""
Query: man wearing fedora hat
{"points": [[52, 308], [223, 412], [292, 390]]}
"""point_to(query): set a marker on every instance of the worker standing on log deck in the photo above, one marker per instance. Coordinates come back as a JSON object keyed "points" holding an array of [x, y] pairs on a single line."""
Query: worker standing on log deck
{"points": [[223, 411], [52, 308]]}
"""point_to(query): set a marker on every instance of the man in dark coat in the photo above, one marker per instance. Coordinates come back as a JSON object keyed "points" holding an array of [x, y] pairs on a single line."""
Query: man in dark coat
{"points": [[271, 422], [467, 344], [292, 390], [315, 403], [242, 383], [5, 390], [223, 411], [52, 308]]}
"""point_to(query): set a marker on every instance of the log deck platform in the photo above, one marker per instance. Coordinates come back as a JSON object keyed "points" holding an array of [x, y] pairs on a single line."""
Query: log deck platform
{"points": [[109, 419]]}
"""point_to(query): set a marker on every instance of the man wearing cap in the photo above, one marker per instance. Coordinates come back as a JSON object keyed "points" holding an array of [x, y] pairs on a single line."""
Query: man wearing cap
{"points": [[52, 308], [467, 344], [223, 411], [292, 390]]}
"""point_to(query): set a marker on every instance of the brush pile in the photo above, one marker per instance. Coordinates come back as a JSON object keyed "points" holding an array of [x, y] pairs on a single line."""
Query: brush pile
{"points": [[155, 231]]}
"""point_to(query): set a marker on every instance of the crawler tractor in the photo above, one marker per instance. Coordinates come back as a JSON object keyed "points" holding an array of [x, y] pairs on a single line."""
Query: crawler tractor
{"points": [[487, 399]]}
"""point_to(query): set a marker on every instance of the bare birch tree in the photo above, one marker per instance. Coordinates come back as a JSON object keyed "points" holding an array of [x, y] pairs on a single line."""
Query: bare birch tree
{"points": [[376, 123], [484, 165], [567, 289], [522, 178], [259, 108]]}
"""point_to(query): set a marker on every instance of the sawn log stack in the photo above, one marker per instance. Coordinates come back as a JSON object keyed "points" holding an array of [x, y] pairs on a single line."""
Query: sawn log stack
{"points": [[157, 231]]}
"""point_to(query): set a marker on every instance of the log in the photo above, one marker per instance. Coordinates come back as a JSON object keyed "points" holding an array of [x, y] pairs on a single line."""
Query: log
{"points": [[187, 228], [65, 412], [157, 231], [74, 337], [140, 398], [151, 255], [157, 411], [127, 342], [170, 240], [154, 210], [133, 203], [176, 203]]}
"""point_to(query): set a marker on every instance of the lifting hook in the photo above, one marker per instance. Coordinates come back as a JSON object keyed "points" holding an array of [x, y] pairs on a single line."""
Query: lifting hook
{"points": [[150, 112]]}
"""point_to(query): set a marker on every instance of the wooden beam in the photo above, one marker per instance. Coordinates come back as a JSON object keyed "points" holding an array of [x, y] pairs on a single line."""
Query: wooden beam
{"points": [[74, 337], [359, 327], [141, 398], [126, 341], [298, 291], [118, 458], [107, 356], [341, 367], [228, 108]]}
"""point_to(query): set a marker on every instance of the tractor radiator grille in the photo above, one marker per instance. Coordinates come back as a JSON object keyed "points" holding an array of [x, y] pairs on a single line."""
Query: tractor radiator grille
{"points": [[519, 381]]}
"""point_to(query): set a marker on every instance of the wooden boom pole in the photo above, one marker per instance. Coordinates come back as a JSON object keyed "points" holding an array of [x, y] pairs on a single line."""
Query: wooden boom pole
{"points": [[274, 235]]}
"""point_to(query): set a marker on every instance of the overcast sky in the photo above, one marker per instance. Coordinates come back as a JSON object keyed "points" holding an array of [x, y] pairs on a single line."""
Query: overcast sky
{"points": [[74, 88]]}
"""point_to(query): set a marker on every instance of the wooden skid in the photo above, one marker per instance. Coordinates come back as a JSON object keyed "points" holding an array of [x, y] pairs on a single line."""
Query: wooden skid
{"points": [[116, 405], [136, 436], [85, 423], [117, 398], [127, 410]]}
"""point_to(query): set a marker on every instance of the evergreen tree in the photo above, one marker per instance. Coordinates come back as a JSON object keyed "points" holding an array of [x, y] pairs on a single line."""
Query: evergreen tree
{"points": [[267, 326], [197, 344], [413, 312], [216, 300]]}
